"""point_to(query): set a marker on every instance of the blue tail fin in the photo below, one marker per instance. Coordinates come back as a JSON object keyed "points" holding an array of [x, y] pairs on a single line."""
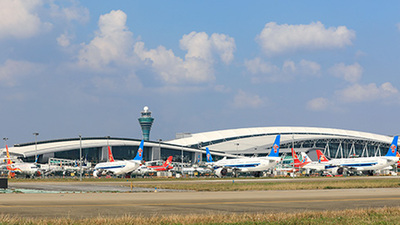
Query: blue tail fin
{"points": [[139, 154], [393, 147], [275, 148], [209, 157]]}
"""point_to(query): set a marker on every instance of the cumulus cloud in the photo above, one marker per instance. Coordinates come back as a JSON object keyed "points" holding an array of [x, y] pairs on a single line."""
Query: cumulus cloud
{"points": [[64, 40], [12, 72], [259, 66], [246, 100], [112, 44], [367, 93], [350, 73], [198, 65], [261, 70], [276, 38], [18, 18], [318, 104]]}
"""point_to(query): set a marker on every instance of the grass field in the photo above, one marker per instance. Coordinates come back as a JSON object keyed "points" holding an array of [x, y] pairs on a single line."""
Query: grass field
{"points": [[357, 216], [301, 185], [240, 185]]}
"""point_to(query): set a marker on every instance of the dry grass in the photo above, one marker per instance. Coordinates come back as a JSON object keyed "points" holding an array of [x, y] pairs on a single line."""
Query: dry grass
{"points": [[303, 185], [355, 216]]}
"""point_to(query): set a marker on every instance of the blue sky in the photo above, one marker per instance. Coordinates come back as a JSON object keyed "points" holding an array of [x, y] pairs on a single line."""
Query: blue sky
{"points": [[89, 67]]}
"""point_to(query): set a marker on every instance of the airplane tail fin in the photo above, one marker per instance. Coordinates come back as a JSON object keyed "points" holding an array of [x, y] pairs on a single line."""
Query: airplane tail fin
{"points": [[321, 156], [208, 156], [110, 156], [295, 158], [167, 162], [139, 154], [393, 147], [275, 148], [9, 162]]}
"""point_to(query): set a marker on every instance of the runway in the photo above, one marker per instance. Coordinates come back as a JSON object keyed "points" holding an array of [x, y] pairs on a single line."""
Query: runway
{"points": [[84, 205]]}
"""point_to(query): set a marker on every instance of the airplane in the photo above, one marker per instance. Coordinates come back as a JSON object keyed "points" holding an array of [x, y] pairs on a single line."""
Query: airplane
{"points": [[297, 163], [110, 155], [27, 169], [119, 167], [362, 164], [246, 164], [164, 167]]}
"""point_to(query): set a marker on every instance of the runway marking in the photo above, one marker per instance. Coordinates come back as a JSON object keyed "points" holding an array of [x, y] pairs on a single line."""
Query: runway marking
{"points": [[198, 203]]}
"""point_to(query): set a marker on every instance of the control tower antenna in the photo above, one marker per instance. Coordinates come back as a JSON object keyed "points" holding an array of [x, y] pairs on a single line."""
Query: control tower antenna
{"points": [[145, 122]]}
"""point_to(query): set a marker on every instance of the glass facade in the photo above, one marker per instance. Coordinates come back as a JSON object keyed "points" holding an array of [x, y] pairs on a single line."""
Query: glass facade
{"points": [[338, 148]]}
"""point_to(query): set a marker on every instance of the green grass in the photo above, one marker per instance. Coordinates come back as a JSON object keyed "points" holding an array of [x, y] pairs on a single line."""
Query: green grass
{"points": [[301, 185], [355, 216]]}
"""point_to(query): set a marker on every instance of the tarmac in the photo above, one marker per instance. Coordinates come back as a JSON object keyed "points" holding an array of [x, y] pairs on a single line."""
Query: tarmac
{"points": [[117, 199]]}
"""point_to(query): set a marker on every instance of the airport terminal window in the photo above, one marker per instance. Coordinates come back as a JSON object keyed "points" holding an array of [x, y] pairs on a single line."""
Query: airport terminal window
{"points": [[177, 155], [91, 154], [72, 154], [129, 152]]}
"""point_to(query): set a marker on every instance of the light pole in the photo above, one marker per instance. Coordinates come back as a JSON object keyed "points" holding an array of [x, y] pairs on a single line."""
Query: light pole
{"points": [[108, 137], [5, 141], [159, 146], [80, 157], [36, 134]]}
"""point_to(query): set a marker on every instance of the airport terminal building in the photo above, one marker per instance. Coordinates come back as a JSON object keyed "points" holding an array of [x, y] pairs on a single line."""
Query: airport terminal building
{"points": [[190, 148]]}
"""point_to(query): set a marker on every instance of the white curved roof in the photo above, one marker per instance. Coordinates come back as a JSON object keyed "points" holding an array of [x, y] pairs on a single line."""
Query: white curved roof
{"points": [[232, 141], [29, 149], [237, 141]]}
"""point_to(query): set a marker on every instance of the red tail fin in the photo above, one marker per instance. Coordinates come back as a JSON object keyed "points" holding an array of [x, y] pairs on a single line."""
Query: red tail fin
{"points": [[9, 162], [295, 158], [110, 156], [321, 156], [167, 162]]}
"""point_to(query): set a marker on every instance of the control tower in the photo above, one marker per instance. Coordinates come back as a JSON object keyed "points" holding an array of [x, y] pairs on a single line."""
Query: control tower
{"points": [[145, 122]]}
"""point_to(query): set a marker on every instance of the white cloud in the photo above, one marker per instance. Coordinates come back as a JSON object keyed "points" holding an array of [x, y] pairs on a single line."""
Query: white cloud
{"points": [[276, 38], [13, 72], [318, 104], [259, 66], [64, 40], [350, 73], [262, 71], [18, 18], [367, 93], [114, 45], [113, 42], [246, 100], [224, 45], [198, 65], [74, 12], [310, 68]]}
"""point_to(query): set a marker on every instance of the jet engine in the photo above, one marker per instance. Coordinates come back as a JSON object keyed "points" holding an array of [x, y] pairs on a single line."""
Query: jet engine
{"points": [[96, 173], [220, 172], [338, 171]]}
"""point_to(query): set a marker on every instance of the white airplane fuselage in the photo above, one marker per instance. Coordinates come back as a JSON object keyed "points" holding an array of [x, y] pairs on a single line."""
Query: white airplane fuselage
{"points": [[116, 167], [362, 164], [24, 168], [248, 164]]}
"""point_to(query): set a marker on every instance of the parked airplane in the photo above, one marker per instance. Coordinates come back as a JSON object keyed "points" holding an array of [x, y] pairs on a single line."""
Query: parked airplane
{"points": [[110, 155], [119, 167], [164, 167], [246, 164], [27, 169], [297, 163], [362, 164]]}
